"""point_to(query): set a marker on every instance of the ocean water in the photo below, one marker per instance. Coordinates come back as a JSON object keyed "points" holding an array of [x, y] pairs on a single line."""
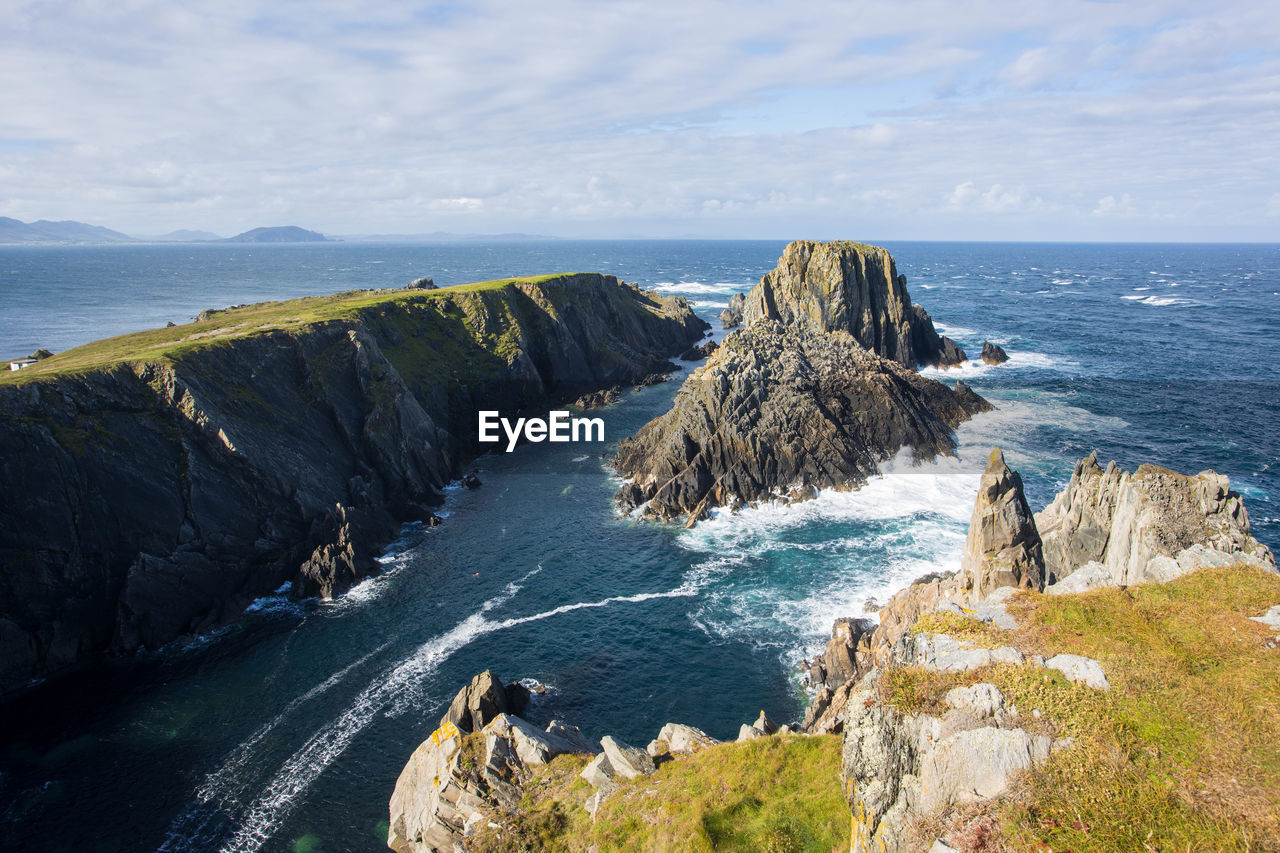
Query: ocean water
{"points": [[286, 731]]}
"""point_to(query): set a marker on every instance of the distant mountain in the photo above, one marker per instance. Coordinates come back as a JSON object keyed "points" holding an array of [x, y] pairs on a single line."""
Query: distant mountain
{"points": [[279, 234], [44, 231], [185, 235]]}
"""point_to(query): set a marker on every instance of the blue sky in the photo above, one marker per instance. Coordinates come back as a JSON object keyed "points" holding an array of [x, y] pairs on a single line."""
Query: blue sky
{"points": [[987, 120]]}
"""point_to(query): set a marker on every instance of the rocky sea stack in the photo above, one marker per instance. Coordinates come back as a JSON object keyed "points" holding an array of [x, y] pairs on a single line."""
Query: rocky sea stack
{"points": [[816, 391], [854, 288], [154, 485]]}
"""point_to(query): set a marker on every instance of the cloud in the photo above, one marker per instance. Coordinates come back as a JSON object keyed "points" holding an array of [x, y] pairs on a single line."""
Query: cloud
{"points": [[594, 119], [1109, 205]]}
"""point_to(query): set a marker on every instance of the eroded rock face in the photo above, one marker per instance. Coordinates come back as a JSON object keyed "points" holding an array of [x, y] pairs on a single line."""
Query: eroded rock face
{"points": [[482, 700], [854, 288], [140, 502], [1151, 525], [1003, 546], [779, 412], [731, 317]]}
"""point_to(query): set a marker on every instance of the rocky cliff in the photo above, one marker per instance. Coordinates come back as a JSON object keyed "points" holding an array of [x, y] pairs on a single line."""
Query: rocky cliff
{"points": [[855, 288], [154, 485], [778, 412], [1153, 524]]}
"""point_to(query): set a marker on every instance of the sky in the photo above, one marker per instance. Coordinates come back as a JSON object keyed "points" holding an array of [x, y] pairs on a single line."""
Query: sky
{"points": [[931, 120]]}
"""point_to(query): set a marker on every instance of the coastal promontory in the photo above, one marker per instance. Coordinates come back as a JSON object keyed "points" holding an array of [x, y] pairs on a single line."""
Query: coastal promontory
{"points": [[153, 485]]}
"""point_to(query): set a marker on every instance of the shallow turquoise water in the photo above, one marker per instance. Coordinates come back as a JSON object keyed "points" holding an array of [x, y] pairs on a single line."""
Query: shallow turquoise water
{"points": [[296, 721]]}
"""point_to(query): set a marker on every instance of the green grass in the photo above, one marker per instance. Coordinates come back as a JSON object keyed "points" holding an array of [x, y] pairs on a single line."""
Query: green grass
{"points": [[168, 344], [1183, 753], [779, 795]]}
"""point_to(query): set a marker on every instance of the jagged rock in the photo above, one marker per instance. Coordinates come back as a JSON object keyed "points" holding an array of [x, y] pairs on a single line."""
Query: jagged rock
{"points": [[698, 353], [878, 758], [746, 733], [1002, 547], [599, 399], [731, 317], [1146, 526], [1081, 670], [777, 413], [657, 378], [993, 353], [627, 761], [764, 724], [471, 481], [847, 654], [854, 288], [343, 557], [941, 652], [483, 700], [684, 740], [424, 283], [445, 791]]}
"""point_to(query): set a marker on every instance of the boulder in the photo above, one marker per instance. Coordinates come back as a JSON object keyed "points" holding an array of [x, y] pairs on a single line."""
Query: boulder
{"points": [[1081, 670], [1002, 548], [777, 413], [977, 764], [424, 283], [471, 481], [941, 652], [1151, 525], [627, 761], [701, 352], [731, 317], [854, 288], [1271, 618], [684, 740], [746, 733], [993, 353], [1092, 575], [599, 771]]}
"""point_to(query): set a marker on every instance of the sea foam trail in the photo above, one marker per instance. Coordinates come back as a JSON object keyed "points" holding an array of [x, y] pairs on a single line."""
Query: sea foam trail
{"points": [[274, 804]]}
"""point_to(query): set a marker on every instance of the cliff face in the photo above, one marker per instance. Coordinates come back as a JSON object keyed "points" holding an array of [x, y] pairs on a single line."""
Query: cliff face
{"points": [[1153, 524], [851, 287], [778, 412], [145, 500]]}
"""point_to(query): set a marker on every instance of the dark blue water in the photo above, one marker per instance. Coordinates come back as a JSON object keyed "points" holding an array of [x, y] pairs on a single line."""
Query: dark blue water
{"points": [[287, 730]]}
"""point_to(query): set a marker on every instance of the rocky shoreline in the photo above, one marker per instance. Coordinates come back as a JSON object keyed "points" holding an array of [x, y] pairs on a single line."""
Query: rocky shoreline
{"points": [[153, 498], [914, 780]]}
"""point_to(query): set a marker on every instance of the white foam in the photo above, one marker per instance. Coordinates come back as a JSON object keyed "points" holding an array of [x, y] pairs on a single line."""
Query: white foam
{"points": [[1017, 359], [1160, 301]]}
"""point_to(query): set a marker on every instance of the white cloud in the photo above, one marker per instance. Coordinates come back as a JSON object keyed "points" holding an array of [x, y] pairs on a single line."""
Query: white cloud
{"points": [[1109, 205], [584, 118]]}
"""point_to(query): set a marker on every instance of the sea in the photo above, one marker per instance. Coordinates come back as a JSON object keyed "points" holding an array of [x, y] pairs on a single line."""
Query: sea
{"points": [[286, 731]]}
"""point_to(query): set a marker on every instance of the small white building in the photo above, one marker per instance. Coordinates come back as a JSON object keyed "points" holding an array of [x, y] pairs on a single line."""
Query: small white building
{"points": [[20, 363]]}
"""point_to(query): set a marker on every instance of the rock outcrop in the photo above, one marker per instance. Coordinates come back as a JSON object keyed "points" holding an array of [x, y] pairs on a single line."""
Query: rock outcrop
{"points": [[699, 353], [731, 317], [482, 700], [993, 353], [458, 778], [1151, 525], [424, 283], [1003, 546], [854, 288], [145, 500], [779, 412]]}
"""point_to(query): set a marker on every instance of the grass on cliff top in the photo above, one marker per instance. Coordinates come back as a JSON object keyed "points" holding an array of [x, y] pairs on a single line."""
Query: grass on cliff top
{"points": [[234, 323], [1183, 753], [772, 795]]}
